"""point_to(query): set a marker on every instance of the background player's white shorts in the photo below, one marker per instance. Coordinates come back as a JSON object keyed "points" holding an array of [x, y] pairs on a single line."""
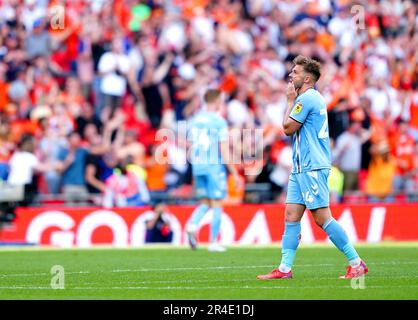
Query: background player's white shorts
{"points": [[309, 189]]}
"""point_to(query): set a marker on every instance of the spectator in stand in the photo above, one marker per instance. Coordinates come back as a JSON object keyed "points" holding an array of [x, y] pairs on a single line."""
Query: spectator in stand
{"points": [[364, 114], [150, 69], [72, 166], [93, 174], [114, 67], [335, 185], [86, 117], [152, 87], [24, 164], [347, 155], [32, 12], [413, 114], [402, 146], [99, 146], [277, 174], [6, 148], [126, 186], [412, 187], [95, 165], [130, 146], [38, 42], [156, 172], [338, 119], [50, 145], [379, 184]]}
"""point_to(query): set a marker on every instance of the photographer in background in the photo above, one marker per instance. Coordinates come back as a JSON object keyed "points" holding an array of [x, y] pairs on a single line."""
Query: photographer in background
{"points": [[158, 228]]}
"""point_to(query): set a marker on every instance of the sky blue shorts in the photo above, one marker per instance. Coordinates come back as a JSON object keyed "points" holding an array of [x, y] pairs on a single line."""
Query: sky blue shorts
{"points": [[309, 189], [211, 185]]}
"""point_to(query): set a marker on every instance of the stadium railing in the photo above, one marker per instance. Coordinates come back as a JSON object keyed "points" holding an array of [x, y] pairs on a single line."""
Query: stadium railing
{"points": [[254, 193]]}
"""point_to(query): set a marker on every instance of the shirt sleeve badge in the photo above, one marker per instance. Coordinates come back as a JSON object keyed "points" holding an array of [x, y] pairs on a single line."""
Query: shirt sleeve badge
{"points": [[298, 108]]}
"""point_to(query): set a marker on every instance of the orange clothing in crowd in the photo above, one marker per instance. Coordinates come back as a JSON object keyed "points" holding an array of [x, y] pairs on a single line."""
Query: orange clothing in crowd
{"points": [[4, 98], [414, 115], [155, 175], [380, 178], [72, 9], [415, 175], [5, 150], [229, 83], [235, 192], [403, 149], [20, 127], [40, 90], [225, 17], [70, 99], [122, 13], [326, 41], [379, 130], [190, 7]]}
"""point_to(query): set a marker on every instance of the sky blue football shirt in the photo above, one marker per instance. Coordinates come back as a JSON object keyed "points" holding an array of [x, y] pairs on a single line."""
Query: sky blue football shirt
{"points": [[207, 130], [310, 144]]}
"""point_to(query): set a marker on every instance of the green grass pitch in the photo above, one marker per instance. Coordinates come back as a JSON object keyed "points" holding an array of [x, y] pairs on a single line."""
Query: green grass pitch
{"points": [[179, 273]]}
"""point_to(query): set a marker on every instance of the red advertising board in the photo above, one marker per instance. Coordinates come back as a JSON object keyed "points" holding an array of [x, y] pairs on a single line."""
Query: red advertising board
{"points": [[241, 224]]}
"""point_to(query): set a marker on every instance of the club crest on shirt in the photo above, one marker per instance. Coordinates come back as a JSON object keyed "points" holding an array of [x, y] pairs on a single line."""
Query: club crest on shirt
{"points": [[298, 108]]}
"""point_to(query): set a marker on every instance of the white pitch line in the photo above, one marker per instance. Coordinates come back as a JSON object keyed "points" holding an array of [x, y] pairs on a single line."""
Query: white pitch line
{"points": [[204, 288], [154, 282], [23, 275], [192, 268], [249, 267], [39, 274], [140, 270], [24, 288], [231, 280], [394, 263]]}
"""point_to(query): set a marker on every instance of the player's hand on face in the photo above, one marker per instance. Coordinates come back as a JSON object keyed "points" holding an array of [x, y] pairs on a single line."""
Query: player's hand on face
{"points": [[291, 91]]}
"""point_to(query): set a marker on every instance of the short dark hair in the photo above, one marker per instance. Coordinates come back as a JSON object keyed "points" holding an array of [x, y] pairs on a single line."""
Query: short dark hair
{"points": [[26, 142], [211, 95], [309, 65], [156, 204]]}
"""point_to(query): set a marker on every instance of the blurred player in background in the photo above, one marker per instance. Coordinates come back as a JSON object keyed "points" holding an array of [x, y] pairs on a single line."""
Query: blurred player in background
{"points": [[209, 155], [306, 119]]}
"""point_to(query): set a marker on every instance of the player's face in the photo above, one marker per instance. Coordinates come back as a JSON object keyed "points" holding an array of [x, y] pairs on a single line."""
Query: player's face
{"points": [[297, 76]]}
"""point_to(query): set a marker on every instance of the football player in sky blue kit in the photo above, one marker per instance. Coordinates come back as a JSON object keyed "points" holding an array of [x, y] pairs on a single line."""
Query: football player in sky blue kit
{"points": [[209, 155], [306, 120]]}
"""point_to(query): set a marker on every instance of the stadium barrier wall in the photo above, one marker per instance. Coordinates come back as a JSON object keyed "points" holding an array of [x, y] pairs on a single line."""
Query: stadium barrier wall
{"points": [[241, 224]]}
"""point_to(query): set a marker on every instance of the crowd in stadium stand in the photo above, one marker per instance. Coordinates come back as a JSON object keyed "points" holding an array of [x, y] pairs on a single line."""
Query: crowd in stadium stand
{"points": [[84, 90]]}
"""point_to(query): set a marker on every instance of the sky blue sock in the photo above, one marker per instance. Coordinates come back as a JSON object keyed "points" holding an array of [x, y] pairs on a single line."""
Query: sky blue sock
{"points": [[290, 242], [198, 214], [215, 226], [339, 238]]}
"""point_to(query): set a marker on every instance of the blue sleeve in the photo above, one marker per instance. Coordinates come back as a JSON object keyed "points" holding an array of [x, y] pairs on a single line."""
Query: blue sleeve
{"points": [[62, 154], [85, 152], [300, 110]]}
